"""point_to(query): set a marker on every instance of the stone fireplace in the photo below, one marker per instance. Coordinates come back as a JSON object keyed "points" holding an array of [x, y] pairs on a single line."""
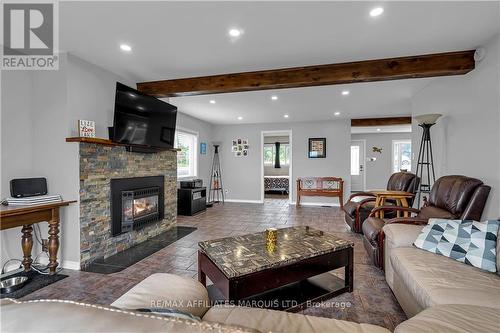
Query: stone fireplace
{"points": [[126, 198]]}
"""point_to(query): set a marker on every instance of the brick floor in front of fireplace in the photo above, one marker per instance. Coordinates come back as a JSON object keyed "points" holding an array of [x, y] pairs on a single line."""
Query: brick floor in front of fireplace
{"points": [[371, 301]]}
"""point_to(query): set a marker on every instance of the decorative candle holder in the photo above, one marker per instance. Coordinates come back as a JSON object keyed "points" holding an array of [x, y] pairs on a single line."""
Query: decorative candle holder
{"points": [[271, 238]]}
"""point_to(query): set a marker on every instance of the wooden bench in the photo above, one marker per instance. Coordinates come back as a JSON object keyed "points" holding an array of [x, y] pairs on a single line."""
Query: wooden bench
{"points": [[320, 187]]}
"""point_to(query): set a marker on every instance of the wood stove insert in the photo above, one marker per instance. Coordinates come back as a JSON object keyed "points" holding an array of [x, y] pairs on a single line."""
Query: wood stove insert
{"points": [[136, 202]]}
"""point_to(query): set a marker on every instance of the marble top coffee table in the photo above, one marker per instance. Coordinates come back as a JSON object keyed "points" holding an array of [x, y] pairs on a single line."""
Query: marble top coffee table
{"points": [[244, 269]]}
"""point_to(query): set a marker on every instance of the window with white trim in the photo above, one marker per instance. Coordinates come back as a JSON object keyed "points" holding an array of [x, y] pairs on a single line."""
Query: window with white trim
{"points": [[187, 157], [355, 169], [270, 153]]}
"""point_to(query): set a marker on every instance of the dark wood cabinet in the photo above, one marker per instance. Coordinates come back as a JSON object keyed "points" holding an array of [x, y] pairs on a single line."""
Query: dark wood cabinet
{"points": [[191, 200]]}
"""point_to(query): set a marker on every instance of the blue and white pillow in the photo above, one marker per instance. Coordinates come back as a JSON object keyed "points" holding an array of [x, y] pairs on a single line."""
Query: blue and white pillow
{"points": [[471, 242]]}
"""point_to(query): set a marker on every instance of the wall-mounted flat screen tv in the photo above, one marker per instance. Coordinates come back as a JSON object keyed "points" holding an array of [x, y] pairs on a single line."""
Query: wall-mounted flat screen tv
{"points": [[143, 120]]}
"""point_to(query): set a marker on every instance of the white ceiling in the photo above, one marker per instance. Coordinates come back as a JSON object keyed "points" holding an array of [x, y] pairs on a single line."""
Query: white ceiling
{"points": [[374, 99], [182, 39]]}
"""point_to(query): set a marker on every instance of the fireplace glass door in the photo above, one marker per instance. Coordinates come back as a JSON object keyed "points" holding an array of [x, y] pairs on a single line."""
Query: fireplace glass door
{"points": [[139, 206], [145, 206]]}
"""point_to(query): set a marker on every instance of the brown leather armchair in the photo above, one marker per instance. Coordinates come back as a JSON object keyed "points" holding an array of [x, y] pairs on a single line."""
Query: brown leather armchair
{"points": [[360, 204], [451, 197]]}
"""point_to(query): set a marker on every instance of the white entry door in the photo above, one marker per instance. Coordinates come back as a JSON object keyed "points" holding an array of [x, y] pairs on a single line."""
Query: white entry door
{"points": [[358, 165]]}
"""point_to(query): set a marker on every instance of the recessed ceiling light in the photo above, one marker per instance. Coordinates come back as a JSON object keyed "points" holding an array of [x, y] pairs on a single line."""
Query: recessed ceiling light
{"points": [[378, 129], [345, 92], [337, 113], [274, 98], [240, 118], [377, 11], [286, 116], [211, 101], [234, 32], [125, 47]]}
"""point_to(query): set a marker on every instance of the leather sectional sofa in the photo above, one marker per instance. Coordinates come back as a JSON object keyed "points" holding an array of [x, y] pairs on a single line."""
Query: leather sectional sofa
{"points": [[424, 282], [192, 297]]}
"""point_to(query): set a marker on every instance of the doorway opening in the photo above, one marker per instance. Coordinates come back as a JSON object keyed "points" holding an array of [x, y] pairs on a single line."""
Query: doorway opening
{"points": [[276, 166], [377, 152]]}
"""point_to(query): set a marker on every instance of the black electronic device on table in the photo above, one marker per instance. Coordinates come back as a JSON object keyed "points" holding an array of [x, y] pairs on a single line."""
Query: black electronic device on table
{"points": [[193, 183], [28, 187]]}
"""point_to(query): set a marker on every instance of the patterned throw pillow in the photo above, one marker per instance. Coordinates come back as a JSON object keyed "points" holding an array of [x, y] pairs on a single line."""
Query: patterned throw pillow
{"points": [[470, 242]]}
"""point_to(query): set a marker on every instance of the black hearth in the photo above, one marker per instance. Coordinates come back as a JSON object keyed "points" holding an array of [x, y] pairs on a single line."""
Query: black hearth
{"points": [[136, 202]]}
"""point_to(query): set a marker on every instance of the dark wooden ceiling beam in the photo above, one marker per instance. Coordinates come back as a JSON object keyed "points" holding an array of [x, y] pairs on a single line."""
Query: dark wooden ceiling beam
{"points": [[380, 121], [422, 66]]}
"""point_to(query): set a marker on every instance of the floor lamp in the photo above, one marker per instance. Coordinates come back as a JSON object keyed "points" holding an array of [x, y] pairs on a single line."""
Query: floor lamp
{"points": [[425, 157]]}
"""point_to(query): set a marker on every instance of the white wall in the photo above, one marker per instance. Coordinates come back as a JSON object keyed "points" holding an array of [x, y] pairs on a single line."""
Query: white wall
{"points": [[241, 176], [379, 171], [466, 139], [16, 144], [205, 134], [39, 110]]}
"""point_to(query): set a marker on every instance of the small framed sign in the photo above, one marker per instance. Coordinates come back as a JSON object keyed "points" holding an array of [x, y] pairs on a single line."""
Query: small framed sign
{"points": [[317, 147], [203, 148], [86, 128]]}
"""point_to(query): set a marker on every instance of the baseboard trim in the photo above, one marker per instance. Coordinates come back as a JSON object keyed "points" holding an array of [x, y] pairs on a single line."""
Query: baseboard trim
{"points": [[13, 267], [66, 264], [244, 201], [317, 204]]}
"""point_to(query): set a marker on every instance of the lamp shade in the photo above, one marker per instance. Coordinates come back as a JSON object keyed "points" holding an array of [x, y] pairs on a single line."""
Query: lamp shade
{"points": [[427, 119]]}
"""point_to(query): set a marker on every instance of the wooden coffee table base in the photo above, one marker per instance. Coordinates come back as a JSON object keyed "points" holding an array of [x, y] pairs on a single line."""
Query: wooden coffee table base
{"points": [[287, 286]]}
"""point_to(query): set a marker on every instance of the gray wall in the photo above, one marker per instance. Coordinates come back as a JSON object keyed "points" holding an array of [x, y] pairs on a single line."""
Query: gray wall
{"points": [[39, 110], [466, 139], [242, 175], [379, 171]]}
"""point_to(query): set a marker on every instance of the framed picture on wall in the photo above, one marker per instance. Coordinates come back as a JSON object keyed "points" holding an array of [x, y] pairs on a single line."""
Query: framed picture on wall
{"points": [[317, 148], [203, 148]]}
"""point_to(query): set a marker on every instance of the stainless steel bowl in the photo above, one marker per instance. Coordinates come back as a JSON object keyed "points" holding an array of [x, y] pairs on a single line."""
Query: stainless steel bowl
{"points": [[10, 285]]}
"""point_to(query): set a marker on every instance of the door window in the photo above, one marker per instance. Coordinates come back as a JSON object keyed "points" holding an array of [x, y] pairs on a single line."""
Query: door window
{"points": [[401, 155]]}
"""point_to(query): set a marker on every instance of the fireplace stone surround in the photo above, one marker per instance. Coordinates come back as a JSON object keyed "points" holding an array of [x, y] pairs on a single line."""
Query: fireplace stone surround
{"points": [[99, 164]]}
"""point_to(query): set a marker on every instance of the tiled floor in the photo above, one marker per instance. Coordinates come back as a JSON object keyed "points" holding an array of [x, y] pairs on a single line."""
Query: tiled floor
{"points": [[371, 302]]}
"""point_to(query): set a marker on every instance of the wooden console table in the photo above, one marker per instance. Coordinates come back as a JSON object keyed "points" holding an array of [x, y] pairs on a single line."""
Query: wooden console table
{"points": [[26, 216]]}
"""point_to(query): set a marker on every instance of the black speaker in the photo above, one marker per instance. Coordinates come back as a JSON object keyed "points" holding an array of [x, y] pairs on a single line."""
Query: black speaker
{"points": [[28, 187]]}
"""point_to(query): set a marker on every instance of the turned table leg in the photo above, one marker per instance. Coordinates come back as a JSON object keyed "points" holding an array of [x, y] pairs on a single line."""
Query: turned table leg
{"points": [[27, 245], [53, 241]]}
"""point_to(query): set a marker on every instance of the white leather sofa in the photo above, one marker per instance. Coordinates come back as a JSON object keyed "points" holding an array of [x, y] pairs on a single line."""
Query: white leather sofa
{"points": [[427, 284], [167, 290], [190, 296]]}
